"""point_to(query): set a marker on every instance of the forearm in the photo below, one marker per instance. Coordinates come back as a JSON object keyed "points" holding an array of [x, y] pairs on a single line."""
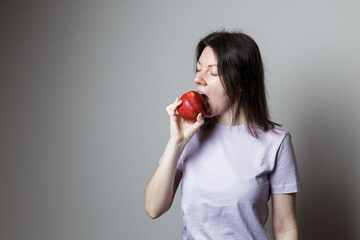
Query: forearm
{"points": [[159, 190], [290, 234], [284, 220]]}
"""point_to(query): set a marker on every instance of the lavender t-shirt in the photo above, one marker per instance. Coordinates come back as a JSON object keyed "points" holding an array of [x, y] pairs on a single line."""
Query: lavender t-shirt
{"points": [[228, 176]]}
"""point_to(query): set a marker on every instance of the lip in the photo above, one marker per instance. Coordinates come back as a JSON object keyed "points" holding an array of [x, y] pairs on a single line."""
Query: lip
{"points": [[201, 93], [204, 95], [206, 103]]}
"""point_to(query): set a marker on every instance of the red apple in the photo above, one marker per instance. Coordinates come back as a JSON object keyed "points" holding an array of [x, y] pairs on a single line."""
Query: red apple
{"points": [[192, 104]]}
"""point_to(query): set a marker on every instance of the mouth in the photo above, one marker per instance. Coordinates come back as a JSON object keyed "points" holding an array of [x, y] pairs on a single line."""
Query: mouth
{"points": [[202, 94], [206, 98], [206, 103]]}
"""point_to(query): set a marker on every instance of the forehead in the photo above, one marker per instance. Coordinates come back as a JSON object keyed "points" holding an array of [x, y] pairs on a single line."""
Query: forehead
{"points": [[208, 57]]}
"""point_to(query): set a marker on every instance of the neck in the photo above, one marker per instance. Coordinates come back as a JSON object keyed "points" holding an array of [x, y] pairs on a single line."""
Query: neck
{"points": [[227, 119]]}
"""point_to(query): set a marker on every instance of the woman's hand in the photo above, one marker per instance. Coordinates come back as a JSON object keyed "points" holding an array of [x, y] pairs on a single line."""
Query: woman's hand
{"points": [[181, 130]]}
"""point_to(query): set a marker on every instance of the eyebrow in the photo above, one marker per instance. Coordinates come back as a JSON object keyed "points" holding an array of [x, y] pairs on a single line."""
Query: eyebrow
{"points": [[211, 65]]}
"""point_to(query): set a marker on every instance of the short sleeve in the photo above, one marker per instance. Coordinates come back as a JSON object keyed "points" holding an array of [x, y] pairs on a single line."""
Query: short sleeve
{"points": [[179, 165], [285, 177]]}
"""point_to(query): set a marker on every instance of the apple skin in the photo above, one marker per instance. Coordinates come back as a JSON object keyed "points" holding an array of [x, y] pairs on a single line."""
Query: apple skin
{"points": [[192, 104]]}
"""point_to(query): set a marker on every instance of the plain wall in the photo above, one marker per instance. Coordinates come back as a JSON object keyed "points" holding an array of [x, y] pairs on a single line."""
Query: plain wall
{"points": [[84, 86]]}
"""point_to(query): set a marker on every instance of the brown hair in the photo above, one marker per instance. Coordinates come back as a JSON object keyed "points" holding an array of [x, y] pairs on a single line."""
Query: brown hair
{"points": [[242, 74]]}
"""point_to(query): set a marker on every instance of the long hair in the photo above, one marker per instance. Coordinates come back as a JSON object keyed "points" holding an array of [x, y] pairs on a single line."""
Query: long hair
{"points": [[241, 72]]}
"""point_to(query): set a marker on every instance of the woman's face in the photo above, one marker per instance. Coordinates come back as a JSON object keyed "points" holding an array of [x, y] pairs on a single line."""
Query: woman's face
{"points": [[207, 82]]}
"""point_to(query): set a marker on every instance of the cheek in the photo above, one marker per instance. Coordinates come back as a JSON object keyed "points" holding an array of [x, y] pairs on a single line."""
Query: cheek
{"points": [[220, 102], [222, 97]]}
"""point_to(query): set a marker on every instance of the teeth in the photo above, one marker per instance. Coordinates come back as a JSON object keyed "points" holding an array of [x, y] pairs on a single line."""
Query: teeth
{"points": [[202, 94]]}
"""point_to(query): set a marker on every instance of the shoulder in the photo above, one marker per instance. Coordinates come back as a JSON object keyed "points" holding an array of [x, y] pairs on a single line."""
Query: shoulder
{"points": [[274, 136], [279, 132]]}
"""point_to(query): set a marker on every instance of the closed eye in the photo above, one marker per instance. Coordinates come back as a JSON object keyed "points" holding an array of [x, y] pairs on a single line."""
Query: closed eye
{"points": [[212, 74]]}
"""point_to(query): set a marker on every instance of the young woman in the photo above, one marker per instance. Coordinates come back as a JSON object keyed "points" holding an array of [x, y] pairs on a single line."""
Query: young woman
{"points": [[232, 159]]}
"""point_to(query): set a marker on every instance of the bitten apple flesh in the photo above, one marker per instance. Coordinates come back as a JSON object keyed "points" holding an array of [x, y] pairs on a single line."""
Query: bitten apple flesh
{"points": [[193, 103]]}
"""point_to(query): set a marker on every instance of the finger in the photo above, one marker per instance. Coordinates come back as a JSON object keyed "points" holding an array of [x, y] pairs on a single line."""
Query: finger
{"points": [[200, 118], [171, 109], [199, 121], [177, 103]]}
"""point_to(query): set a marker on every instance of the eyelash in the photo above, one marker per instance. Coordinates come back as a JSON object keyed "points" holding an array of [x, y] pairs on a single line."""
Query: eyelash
{"points": [[214, 75]]}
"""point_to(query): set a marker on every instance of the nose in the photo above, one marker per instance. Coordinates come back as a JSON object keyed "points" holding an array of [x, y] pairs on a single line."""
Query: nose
{"points": [[199, 79]]}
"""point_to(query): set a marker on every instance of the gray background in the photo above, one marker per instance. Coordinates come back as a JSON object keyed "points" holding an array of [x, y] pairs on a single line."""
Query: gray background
{"points": [[84, 86]]}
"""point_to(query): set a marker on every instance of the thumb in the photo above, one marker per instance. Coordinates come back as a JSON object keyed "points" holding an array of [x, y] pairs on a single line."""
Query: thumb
{"points": [[199, 121]]}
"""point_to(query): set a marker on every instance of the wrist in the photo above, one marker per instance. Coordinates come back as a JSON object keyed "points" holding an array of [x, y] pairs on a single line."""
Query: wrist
{"points": [[176, 144]]}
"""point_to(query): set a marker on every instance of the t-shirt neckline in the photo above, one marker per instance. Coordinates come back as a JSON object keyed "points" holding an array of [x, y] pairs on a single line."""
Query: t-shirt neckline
{"points": [[221, 127]]}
